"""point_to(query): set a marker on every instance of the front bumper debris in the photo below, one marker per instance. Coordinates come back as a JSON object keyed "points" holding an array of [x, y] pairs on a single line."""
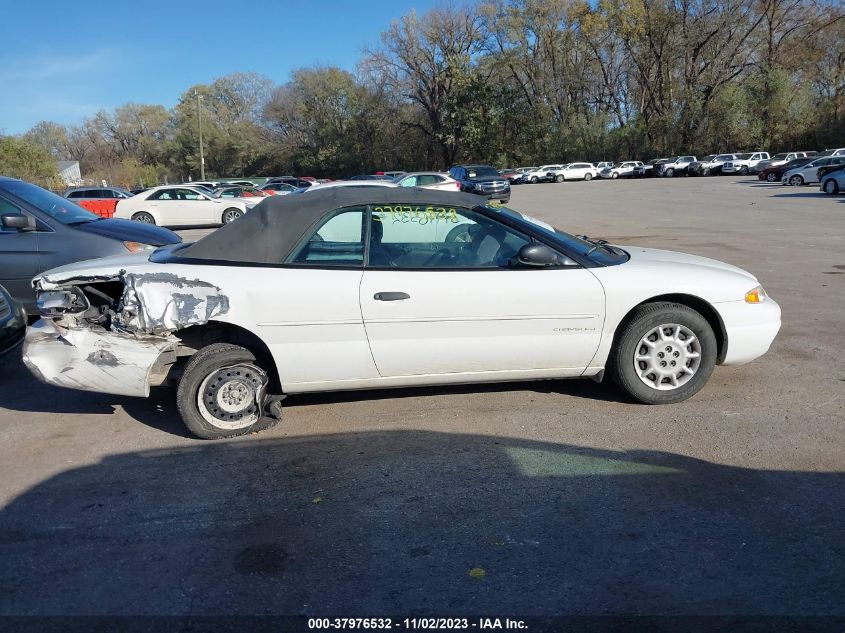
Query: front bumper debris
{"points": [[79, 357]]}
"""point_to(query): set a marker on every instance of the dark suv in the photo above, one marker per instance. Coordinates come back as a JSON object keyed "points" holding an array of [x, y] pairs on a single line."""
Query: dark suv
{"points": [[482, 180]]}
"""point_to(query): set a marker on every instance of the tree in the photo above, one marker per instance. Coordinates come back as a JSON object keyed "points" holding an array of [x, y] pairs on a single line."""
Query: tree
{"points": [[20, 158]]}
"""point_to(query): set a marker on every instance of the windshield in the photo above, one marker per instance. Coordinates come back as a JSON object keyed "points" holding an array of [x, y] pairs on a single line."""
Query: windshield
{"points": [[56, 207], [481, 172], [605, 256]]}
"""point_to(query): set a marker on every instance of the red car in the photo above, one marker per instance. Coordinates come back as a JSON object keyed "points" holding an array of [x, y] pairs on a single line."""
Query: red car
{"points": [[99, 200]]}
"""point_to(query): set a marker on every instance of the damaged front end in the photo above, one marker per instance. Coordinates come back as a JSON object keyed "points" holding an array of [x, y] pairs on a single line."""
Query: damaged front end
{"points": [[116, 333]]}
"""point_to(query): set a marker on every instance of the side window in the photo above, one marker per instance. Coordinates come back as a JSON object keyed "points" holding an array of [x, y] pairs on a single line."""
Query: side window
{"points": [[403, 236], [189, 194], [338, 241], [163, 194], [74, 194], [411, 181]]}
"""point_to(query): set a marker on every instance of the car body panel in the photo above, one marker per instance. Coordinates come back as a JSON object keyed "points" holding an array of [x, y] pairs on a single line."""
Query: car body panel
{"points": [[501, 320]]}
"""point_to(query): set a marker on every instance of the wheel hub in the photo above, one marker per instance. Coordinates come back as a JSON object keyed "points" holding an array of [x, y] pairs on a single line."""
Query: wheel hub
{"points": [[667, 356], [230, 397]]}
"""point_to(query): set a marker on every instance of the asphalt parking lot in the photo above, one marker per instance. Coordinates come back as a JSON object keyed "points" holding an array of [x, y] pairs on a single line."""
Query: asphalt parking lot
{"points": [[531, 498]]}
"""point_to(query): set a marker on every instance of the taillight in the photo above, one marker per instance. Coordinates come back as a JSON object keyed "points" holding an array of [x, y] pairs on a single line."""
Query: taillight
{"points": [[458, 186]]}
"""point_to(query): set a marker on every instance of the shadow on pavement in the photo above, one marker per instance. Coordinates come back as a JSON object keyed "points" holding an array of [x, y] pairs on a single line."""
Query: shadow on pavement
{"points": [[22, 392], [393, 522]]}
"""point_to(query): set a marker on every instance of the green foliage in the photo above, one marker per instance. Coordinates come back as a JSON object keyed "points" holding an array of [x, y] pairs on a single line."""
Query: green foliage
{"points": [[23, 159]]}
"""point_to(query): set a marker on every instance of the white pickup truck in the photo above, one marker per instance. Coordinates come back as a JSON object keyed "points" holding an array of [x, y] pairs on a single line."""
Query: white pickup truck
{"points": [[744, 163]]}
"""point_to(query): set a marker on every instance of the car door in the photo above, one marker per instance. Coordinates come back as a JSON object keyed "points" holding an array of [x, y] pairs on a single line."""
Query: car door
{"points": [[165, 205], [439, 296], [199, 209], [314, 328], [19, 256]]}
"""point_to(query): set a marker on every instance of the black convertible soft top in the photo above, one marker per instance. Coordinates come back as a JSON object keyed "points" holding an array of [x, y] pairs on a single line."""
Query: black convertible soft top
{"points": [[268, 233]]}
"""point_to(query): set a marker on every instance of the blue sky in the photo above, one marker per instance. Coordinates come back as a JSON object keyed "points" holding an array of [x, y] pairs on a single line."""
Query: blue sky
{"points": [[63, 61]]}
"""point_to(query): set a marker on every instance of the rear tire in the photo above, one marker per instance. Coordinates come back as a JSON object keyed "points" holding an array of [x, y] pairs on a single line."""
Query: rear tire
{"points": [[642, 366], [771, 177], [144, 218], [221, 393]]}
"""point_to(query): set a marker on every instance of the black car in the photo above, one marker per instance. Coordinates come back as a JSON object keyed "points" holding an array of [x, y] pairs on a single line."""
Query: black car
{"points": [[12, 322], [299, 183], [836, 163], [40, 230], [482, 180]]}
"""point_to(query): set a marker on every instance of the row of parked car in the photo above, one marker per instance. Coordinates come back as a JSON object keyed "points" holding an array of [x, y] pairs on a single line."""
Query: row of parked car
{"points": [[794, 168]]}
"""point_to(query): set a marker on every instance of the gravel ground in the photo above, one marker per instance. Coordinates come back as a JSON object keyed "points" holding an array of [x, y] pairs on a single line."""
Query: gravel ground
{"points": [[532, 498]]}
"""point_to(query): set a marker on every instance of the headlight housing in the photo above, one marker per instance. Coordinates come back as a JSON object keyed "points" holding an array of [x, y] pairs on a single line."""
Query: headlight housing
{"points": [[138, 247], [756, 295]]}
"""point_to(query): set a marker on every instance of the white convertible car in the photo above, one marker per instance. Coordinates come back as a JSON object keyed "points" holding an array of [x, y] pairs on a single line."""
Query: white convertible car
{"points": [[182, 206], [372, 287]]}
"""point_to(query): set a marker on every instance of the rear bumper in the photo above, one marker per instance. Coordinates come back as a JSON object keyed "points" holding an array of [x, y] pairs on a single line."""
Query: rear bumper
{"points": [[79, 357], [750, 329]]}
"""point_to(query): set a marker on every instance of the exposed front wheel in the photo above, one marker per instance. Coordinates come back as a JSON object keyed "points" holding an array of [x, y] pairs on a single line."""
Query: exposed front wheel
{"points": [[614, 176], [533, 180], [588, 176], [664, 354], [831, 187], [230, 215], [743, 171], [796, 181], [559, 178], [221, 393], [670, 173], [144, 217]]}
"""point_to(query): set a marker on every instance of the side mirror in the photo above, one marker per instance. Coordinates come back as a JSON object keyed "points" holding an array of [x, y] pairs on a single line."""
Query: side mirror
{"points": [[537, 255], [17, 221]]}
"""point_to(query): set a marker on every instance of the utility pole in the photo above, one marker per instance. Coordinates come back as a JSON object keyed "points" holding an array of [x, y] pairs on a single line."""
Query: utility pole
{"points": [[199, 125]]}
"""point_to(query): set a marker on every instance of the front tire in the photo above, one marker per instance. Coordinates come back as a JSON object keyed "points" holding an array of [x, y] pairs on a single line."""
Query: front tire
{"points": [[143, 217], [796, 181], [743, 171], [670, 173], [559, 178], [230, 215], [533, 180], [221, 393], [831, 187], [614, 176], [588, 177], [664, 353]]}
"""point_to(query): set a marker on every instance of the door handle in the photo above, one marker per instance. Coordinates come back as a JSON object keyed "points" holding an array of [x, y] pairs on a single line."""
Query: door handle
{"points": [[391, 296]]}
